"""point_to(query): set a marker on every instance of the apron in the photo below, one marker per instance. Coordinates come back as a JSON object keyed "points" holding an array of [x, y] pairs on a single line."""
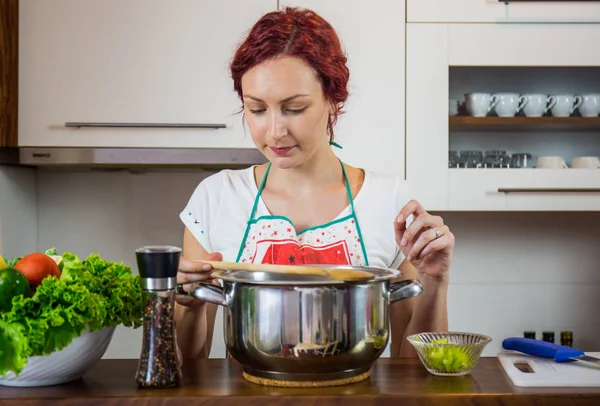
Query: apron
{"points": [[274, 240]]}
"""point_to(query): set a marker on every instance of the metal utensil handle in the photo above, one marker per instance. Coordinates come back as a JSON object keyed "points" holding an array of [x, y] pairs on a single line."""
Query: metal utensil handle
{"points": [[404, 290], [208, 293], [143, 125], [548, 190]]}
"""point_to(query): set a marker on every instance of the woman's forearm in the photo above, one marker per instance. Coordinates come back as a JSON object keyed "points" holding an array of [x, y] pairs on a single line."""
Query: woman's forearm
{"points": [[430, 312], [192, 330]]}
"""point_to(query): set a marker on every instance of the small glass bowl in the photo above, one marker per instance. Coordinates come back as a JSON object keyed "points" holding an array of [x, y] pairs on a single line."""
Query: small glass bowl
{"points": [[449, 353]]}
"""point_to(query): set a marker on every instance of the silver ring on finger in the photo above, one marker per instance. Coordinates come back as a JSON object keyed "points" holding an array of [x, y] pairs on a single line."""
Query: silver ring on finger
{"points": [[437, 233], [179, 289]]}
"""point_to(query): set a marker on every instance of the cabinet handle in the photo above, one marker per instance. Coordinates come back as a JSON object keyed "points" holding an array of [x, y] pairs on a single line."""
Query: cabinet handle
{"points": [[546, 190], [540, 1], [143, 125]]}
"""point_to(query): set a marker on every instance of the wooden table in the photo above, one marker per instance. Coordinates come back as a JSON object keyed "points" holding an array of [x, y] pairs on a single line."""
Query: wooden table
{"points": [[219, 382]]}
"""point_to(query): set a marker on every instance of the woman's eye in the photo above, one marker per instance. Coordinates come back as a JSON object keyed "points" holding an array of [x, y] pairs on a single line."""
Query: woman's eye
{"points": [[257, 111], [295, 111]]}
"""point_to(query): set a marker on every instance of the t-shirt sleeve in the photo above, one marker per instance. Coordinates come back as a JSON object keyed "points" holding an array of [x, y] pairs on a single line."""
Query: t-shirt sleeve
{"points": [[200, 210], [404, 193]]}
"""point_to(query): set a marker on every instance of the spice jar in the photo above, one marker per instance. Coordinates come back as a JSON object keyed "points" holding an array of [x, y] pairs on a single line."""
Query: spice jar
{"points": [[158, 366], [548, 336], [566, 338]]}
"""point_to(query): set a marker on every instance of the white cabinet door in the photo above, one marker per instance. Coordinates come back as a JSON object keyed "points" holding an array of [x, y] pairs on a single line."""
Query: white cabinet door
{"points": [[524, 190], [427, 113], [502, 11], [522, 44], [129, 62], [372, 33], [432, 50]]}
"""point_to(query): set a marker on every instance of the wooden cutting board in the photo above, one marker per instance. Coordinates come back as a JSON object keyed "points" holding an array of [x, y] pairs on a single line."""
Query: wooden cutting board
{"points": [[546, 372]]}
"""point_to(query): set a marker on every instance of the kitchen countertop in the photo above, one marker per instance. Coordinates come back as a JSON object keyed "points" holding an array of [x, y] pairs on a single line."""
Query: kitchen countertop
{"points": [[220, 382]]}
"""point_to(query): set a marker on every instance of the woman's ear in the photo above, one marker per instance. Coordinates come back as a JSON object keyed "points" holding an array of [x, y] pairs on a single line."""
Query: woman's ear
{"points": [[332, 108]]}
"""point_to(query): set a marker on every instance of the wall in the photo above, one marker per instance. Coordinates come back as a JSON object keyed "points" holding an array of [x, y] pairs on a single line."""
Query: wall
{"points": [[112, 213], [511, 272], [526, 271], [18, 211]]}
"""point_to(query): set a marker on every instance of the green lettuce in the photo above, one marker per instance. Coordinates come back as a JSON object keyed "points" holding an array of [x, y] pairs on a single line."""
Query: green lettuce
{"points": [[89, 295], [13, 348], [11, 262]]}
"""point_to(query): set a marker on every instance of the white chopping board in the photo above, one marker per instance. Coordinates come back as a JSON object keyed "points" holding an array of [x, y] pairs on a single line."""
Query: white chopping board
{"points": [[546, 372]]}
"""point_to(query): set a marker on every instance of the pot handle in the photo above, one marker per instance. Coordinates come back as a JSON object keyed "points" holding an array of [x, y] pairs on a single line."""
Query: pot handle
{"points": [[405, 290], [208, 293]]}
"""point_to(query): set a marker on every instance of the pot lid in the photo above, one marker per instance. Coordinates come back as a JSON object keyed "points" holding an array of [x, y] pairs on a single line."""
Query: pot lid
{"points": [[268, 278]]}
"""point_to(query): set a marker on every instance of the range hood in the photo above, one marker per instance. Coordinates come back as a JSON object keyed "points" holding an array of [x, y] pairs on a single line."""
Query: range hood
{"points": [[131, 157]]}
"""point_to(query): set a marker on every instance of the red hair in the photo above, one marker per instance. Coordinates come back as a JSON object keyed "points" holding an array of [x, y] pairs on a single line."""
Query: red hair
{"points": [[300, 33]]}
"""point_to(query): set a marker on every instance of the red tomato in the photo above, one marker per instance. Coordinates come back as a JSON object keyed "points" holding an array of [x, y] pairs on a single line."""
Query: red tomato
{"points": [[36, 267]]}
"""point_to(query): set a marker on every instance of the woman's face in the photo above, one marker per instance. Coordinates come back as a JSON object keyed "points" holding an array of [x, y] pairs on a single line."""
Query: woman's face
{"points": [[286, 111]]}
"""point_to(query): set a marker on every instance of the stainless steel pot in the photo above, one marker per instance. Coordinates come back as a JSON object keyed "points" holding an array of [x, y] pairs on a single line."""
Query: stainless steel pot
{"points": [[305, 328]]}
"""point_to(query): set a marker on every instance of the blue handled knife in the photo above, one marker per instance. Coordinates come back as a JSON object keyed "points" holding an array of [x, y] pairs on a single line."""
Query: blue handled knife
{"points": [[560, 353]]}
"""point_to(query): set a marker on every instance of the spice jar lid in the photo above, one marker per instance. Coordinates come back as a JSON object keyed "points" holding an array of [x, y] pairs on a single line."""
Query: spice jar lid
{"points": [[158, 261]]}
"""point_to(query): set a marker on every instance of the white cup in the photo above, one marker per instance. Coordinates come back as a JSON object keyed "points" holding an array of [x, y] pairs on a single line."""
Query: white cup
{"points": [[551, 162], [586, 162], [480, 104], [538, 104], [509, 104], [565, 105], [590, 106], [453, 107]]}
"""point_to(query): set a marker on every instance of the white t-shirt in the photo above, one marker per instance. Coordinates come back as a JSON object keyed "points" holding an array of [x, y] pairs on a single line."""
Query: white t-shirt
{"points": [[218, 211]]}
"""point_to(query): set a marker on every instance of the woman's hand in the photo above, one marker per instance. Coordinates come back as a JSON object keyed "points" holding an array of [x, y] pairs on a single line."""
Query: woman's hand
{"points": [[194, 272], [427, 242]]}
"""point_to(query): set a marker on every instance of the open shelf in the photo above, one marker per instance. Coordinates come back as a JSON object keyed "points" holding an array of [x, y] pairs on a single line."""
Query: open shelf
{"points": [[563, 124]]}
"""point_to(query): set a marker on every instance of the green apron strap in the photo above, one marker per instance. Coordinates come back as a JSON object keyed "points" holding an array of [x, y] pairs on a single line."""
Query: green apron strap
{"points": [[260, 189], [349, 190], [256, 200]]}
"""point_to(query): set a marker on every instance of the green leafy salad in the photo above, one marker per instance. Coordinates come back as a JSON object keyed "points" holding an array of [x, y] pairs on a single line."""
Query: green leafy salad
{"points": [[58, 306], [448, 359]]}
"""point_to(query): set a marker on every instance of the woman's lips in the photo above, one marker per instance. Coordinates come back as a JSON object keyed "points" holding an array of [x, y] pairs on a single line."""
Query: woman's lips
{"points": [[281, 151]]}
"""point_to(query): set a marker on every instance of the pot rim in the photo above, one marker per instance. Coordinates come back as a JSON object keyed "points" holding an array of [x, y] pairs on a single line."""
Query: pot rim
{"points": [[274, 279]]}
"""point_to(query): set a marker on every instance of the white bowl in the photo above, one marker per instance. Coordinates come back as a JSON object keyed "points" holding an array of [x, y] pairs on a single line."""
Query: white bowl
{"points": [[67, 365]]}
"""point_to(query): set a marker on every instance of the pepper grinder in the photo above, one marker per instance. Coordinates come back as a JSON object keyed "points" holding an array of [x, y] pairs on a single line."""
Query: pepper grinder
{"points": [[158, 366]]}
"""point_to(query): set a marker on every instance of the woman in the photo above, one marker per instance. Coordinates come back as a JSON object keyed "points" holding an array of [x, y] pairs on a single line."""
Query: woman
{"points": [[305, 205]]}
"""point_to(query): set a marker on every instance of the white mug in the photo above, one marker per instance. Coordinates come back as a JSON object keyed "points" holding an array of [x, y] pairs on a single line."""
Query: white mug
{"points": [[509, 104], [590, 106], [452, 107], [587, 162], [551, 162], [538, 104], [480, 104], [565, 105]]}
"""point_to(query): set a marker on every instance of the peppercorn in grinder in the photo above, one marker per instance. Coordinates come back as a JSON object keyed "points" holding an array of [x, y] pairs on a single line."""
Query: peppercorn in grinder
{"points": [[158, 367]]}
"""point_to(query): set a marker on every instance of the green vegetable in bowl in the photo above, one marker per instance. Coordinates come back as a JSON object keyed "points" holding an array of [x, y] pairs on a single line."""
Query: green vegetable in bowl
{"points": [[12, 284], [448, 359], [93, 294]]}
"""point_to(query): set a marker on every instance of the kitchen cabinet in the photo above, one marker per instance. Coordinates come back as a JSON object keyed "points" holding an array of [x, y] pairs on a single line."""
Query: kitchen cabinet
{"points": [[372, 129], [140, 73], [448, 60], [495, 11], [9, 65]]}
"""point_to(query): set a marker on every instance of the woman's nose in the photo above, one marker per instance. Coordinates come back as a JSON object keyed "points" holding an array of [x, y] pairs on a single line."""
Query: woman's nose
{"points": [[277, 128]]}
